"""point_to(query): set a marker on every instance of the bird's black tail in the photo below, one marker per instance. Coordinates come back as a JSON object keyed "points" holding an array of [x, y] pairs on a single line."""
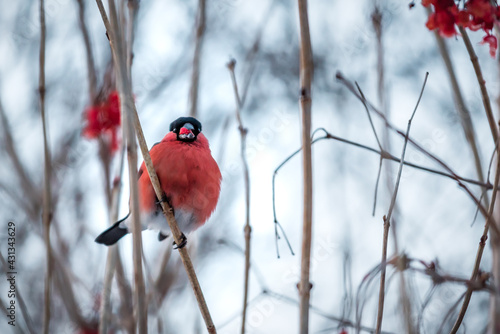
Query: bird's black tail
{"points": [[112, 234]]}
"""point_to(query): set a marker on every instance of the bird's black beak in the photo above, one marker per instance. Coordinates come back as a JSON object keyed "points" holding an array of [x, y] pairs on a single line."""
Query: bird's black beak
{"points": [[186, 132]]}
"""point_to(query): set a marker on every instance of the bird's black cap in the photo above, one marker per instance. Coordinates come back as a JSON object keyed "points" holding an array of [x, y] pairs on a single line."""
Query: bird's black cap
{"points": [[179, 122]]}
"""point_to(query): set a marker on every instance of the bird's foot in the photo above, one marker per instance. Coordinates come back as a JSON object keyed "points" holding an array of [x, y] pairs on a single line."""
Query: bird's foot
{"points": [[164, 199], [182, 243]]}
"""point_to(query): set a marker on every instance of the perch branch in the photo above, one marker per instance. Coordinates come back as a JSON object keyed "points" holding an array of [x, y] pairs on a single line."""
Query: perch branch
{"points": [[128, 103]]}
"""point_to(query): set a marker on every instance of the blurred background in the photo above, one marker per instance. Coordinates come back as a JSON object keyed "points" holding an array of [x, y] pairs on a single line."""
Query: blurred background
{"points": [[435, 219]]}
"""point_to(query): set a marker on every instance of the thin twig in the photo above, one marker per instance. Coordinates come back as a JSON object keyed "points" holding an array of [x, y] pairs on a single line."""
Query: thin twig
{"points": [[124, 87], [112, 256], [195, 75], [387, 218], [130, 109], [133, 9], [306, 77], [246, 175], [387, 156], [376, 185], [47, 205], [88, 49], [481, 82], [369, 116], [463, 112], [275, 173], [341, 321], [126, 305], [27, 186], [480, 249], [377, 22], [419, 147], [251, 57]]}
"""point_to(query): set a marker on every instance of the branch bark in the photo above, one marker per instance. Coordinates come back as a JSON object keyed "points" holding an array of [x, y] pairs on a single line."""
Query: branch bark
{"points": [[306, 77]]}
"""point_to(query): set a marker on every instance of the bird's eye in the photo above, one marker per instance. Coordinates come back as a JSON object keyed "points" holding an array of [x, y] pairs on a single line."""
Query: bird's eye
{"points": [[174, 129]]}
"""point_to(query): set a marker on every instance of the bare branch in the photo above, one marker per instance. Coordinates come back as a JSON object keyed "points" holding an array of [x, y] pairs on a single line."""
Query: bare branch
{"points": [[195, 75], [387, 218], [483, 210], [88, 48], [306, 77], [112, 256], [47, 205], [248, 229], [482, 244], [481, 82]]}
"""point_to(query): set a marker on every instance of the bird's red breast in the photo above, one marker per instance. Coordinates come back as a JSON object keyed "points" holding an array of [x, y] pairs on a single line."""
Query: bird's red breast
{"points": [[188, 175]]}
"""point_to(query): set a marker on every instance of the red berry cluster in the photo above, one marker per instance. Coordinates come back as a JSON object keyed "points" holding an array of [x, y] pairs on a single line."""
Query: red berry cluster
{"points": [[103, 119], [475, 15]]}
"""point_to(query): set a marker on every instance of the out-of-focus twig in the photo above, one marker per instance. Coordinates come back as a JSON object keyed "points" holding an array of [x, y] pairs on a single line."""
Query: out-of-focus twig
{"points": [[133, 9], [114, 202], [114, 28], [126, 305], [385, 155], [482, 244], [463, 112], [306, 77], [47, 205], [195, 74], [251, 57], [248, 229], [88, 48], [481, 82], [419, 147], [112, 256], [377, 22], [387, 218], [27, 185]]}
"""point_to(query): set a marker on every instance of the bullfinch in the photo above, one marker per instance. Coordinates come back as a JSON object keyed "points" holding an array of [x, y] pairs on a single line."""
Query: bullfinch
{"points": [[188, 175]]}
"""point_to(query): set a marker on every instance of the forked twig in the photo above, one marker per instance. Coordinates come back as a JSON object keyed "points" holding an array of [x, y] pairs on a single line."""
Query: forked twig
{"points": [[482, 244], [387, 218], [419, 147]]}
